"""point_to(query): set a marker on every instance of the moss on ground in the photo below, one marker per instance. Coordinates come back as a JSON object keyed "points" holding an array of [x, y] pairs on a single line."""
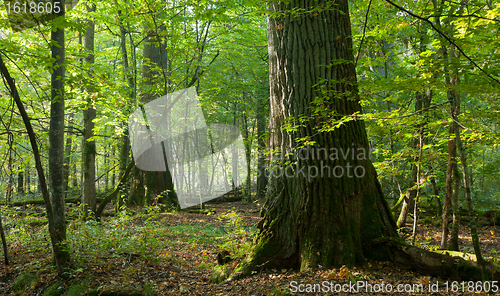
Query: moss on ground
{"points": [[55, 290], [23, 281]]}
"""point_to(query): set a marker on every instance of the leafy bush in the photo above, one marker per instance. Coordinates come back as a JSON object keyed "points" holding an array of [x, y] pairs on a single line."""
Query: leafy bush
{"points": [[237, 237]]}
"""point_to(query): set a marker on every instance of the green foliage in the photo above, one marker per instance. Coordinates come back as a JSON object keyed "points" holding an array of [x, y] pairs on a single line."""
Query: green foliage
{"points": [[222, 45], [56, 290], [220, 273], [279, 292], [78, 289], [139, 237], [236, 236], [402, 56]]}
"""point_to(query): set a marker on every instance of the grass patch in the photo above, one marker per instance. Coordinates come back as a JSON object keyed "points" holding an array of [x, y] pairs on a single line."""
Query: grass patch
{"points": [[55, 290], [24, 281]]}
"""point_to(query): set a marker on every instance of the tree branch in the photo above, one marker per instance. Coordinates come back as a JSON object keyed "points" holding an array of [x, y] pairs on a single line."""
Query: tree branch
{"points": [[426, 19]]}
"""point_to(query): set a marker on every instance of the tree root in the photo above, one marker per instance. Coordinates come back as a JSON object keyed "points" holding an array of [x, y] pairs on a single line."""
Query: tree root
{"points": [[403, 255], [440, 265]]}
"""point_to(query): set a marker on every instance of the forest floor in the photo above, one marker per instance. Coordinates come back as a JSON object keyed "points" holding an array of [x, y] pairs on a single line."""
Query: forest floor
{"points": [[156, 253]]}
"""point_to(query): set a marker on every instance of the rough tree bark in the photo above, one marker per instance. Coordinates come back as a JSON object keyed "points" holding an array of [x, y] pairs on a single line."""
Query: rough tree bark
{"points": [[341, 219], [325, 220]]}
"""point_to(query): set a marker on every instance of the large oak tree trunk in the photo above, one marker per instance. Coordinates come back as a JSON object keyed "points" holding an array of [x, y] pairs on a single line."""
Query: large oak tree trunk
{"points": [[315, 216], [328, 219]]}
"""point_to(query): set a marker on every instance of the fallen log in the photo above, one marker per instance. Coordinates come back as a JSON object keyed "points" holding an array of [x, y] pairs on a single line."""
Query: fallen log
{"points": [[439, 265], [402, 255]]}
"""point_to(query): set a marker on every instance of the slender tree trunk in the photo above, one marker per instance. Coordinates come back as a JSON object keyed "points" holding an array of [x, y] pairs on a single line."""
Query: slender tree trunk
{"points": [[234, 158], [389, 61], [67, 153], [422, 102], [467, 178], [124, 157], [452, 166], [452, 169], [435, 192], [248, 148], [422, 140], [10, 186], [394, 192], [28, 178], [89, 147], [20, 182], [113, 163], [4, 244], [453, 242], [455, 210], [74, 183], [467, 187], [106, 165], [115, 191], [454, 99], [417, 196], [57, 230], [262, 164], [449, 189], [129, 76], [438, 11], [409, 201], [125, 141], [106, 176], [56, 146]]}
